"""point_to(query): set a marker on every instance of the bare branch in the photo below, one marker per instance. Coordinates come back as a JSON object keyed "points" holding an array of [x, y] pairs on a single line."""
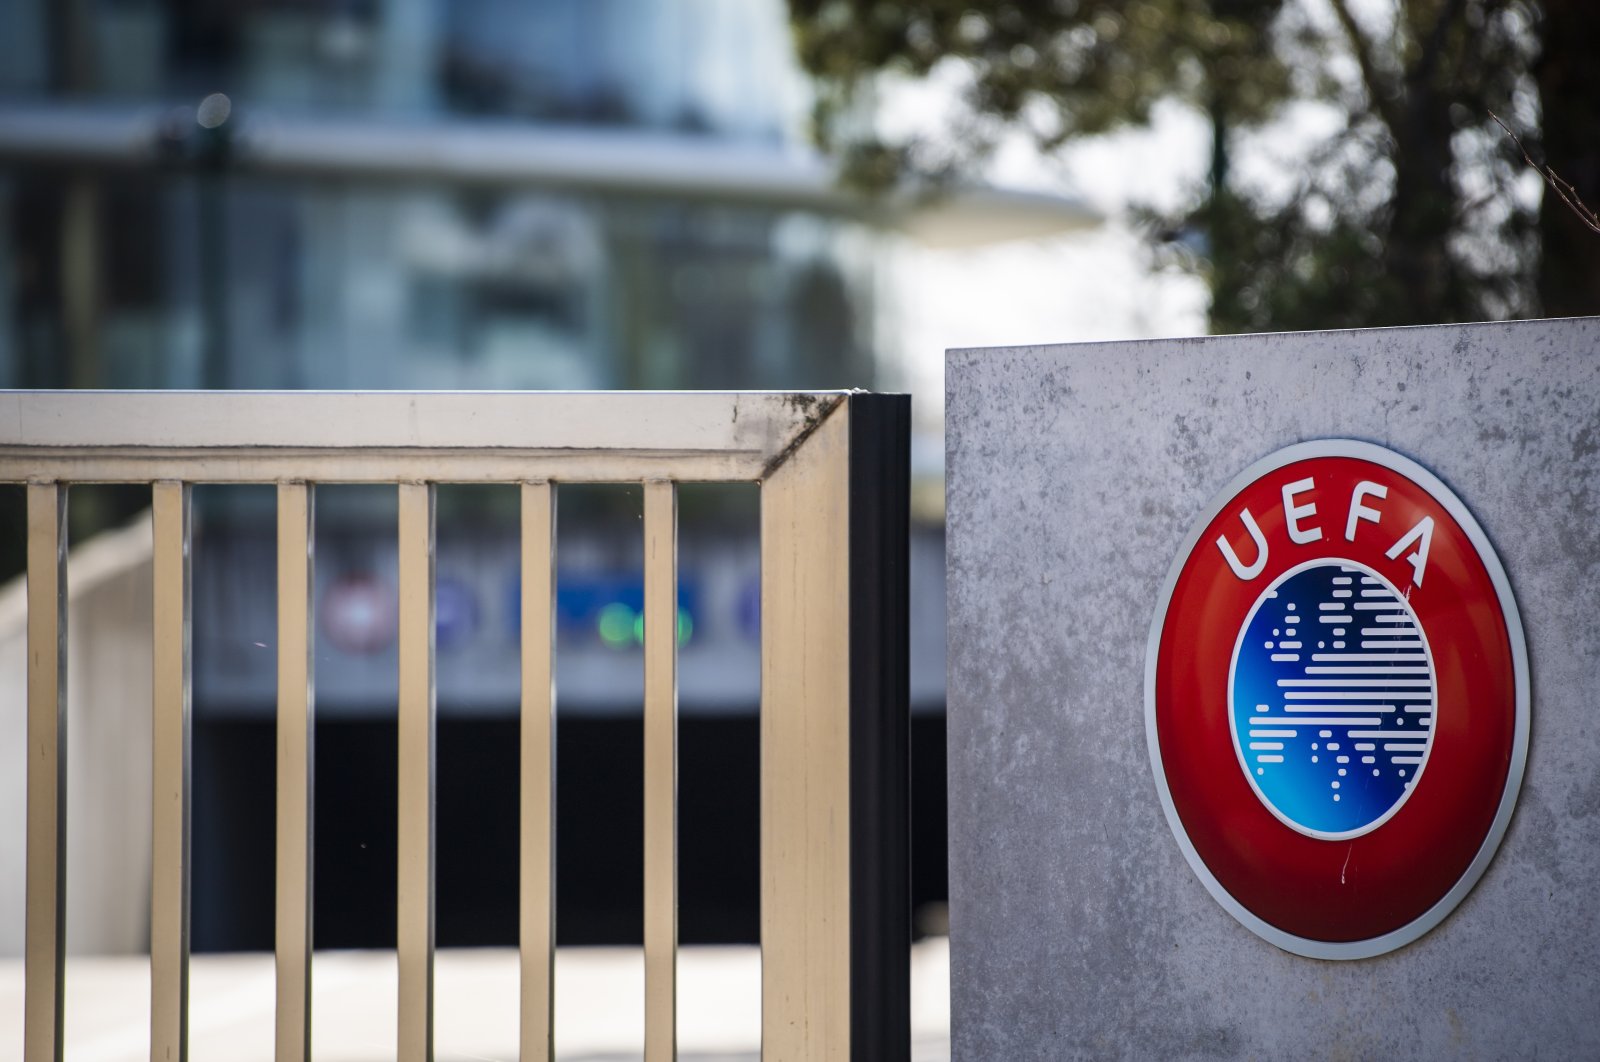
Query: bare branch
{"points": [[1568, 194]]}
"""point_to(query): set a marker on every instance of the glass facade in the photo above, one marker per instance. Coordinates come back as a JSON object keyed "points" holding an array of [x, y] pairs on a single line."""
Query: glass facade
{"points": [[713, 66], [176, 266]]}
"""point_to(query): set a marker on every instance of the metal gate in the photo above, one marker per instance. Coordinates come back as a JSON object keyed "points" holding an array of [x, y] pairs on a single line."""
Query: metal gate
{"points": [[833, 473]]}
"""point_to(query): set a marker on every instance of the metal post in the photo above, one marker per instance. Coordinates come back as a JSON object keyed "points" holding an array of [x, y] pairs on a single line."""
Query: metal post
{"points": [[805, 748], [295, 759], [835, 899], [45, 939], [880, 727], [169, 855], [660, 771], [537, 850], [414, 929]]}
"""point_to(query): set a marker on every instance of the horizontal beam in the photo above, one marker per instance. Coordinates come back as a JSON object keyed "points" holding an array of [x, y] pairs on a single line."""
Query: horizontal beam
{"points": [[388, 436], [621, 163]]}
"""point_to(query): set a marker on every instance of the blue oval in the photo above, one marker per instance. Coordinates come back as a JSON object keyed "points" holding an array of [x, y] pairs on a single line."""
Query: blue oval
{"points": [[1331, 699]]}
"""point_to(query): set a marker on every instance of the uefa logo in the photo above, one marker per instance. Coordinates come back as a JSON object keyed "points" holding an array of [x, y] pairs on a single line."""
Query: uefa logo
{"points": [[1336, 699]]}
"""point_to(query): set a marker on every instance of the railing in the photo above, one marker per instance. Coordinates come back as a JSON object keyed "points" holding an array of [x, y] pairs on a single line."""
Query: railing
{"points": [[832, 469]]}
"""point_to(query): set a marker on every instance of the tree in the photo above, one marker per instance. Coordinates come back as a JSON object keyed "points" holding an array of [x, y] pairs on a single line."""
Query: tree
{"points": [[1569, 88], [1418, 209]]}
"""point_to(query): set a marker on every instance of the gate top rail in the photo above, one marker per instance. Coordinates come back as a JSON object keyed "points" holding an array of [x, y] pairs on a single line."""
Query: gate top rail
{"points": [[402, 436]]}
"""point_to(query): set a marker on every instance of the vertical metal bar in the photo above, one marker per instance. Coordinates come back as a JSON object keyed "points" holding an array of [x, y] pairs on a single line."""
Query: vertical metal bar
{"points": [[880, 727], [169, 871], [45, 934], [660, 771], [414, 928], [805, 748], [537, 859], [295, 752]]}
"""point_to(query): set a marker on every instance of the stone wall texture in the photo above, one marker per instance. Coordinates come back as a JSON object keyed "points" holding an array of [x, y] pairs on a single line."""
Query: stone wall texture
{"points": [[1074, 472]]}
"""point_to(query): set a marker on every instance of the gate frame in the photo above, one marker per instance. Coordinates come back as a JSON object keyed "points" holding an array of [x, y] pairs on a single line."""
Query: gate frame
{"points": [[833, 471]]}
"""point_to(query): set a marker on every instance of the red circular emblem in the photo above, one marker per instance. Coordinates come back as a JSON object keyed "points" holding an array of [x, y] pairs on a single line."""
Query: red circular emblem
{"points": [[1336, 699]]}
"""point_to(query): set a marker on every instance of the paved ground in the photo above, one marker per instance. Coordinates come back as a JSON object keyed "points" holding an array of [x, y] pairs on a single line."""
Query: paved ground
{"points": [[599, 1005]]}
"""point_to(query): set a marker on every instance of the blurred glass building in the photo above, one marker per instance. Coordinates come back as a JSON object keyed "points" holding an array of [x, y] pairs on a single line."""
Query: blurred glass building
{"points": [[527, 194], [408, 193]]}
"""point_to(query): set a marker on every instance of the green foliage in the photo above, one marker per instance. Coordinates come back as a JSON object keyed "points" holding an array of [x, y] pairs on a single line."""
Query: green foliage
{"points": [[1061, 67], [1405, 215]]}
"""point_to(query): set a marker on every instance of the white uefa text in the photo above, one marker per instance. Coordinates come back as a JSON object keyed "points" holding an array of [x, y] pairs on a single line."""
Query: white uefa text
{"points": [[1297, 517]]}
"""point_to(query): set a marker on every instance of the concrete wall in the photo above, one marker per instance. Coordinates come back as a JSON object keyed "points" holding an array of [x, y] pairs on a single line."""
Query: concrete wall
{"points": [[108, 747], [1074, 472]]}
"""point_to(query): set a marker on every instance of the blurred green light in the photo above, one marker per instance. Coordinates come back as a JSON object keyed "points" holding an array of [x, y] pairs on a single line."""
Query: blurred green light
{"points": [[617, 624], [620, 626]]}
